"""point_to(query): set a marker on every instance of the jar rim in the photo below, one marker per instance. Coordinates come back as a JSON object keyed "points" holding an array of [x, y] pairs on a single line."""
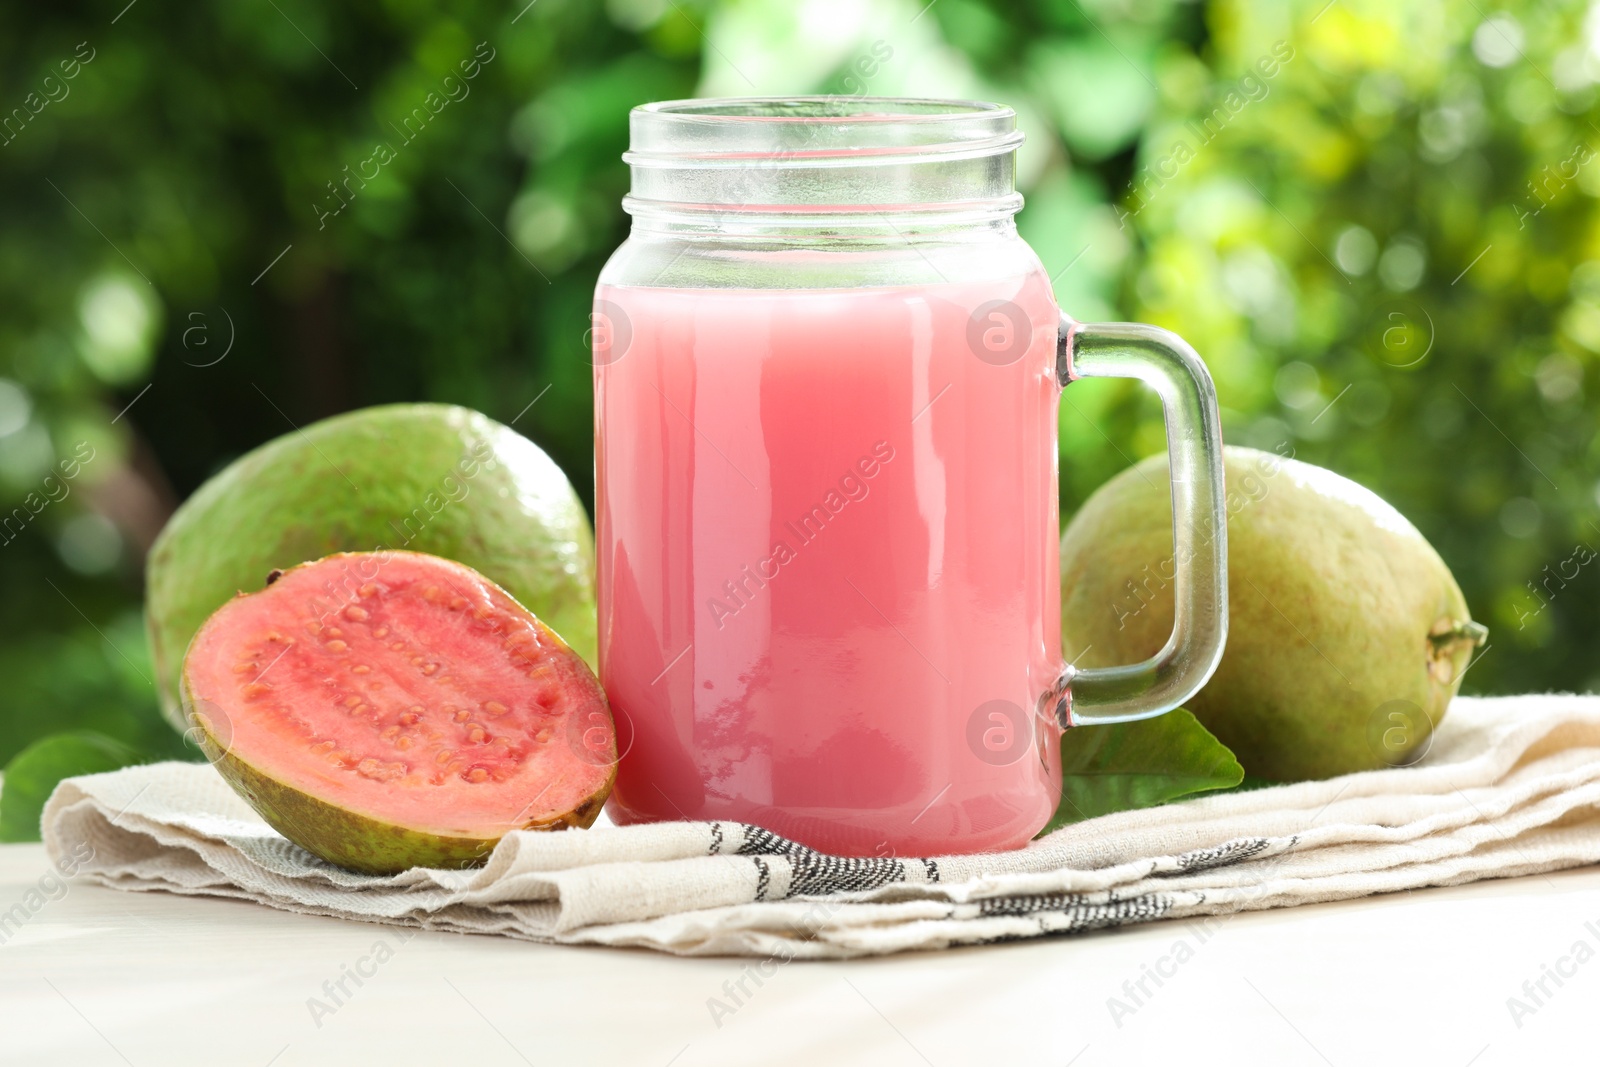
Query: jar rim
{"points": [[817, 131], [773, 108]]}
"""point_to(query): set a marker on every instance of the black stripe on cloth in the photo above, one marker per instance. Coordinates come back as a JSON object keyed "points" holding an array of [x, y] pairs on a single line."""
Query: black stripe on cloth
{"points": [[763, 879], [817, 873], [1067, 913], [1229, 852]]}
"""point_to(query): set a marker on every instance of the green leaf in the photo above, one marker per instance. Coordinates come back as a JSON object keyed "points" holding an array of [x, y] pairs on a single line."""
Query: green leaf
{"points": [[33, 773], [1139, 765]]}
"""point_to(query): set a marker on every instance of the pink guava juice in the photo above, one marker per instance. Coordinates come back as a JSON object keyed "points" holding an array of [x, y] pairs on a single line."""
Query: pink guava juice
{"points": [[828, 577]]}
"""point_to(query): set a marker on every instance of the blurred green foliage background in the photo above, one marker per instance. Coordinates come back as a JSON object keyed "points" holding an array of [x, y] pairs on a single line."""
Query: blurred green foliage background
{"points": [[1376, 221]]}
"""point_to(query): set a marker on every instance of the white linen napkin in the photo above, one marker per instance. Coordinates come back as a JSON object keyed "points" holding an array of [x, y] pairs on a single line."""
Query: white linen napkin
{"points": [[1510, 787]]}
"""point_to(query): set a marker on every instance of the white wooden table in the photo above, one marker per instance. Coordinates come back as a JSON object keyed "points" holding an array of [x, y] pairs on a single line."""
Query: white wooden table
{"points": [[95, 976]]}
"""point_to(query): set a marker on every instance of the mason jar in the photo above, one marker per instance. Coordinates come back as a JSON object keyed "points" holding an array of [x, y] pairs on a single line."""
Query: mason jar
{"points": [[826, 373]]}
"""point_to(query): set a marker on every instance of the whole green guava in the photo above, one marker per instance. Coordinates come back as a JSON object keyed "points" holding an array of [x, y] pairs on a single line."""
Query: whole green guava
{"points": [[430, 478], [1347, 634]]}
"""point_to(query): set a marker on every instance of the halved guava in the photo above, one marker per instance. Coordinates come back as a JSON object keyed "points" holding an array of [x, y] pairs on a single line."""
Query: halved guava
{"points": [[387, 710]]}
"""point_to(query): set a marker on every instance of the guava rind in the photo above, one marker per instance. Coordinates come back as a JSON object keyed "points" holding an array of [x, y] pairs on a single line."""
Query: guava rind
{"points": [[1333, 601], [392, 477], [357, 842]]}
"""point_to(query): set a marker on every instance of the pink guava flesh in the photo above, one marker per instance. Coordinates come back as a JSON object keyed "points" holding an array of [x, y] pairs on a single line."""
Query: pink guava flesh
{"points": [[392, 709]]}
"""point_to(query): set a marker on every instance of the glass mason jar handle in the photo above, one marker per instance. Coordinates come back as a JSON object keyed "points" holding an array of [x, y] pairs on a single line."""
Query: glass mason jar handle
{"points": [[1166, 363]]}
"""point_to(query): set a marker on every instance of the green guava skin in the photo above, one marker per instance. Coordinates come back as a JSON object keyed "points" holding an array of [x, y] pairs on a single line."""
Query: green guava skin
{"points": [[1337, 606], [359, 842], [431, 478], [342, 838]]}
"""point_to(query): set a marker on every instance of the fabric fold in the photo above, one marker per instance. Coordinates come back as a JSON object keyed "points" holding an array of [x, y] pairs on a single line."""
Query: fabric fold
{"points": [[1510, 787]]}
